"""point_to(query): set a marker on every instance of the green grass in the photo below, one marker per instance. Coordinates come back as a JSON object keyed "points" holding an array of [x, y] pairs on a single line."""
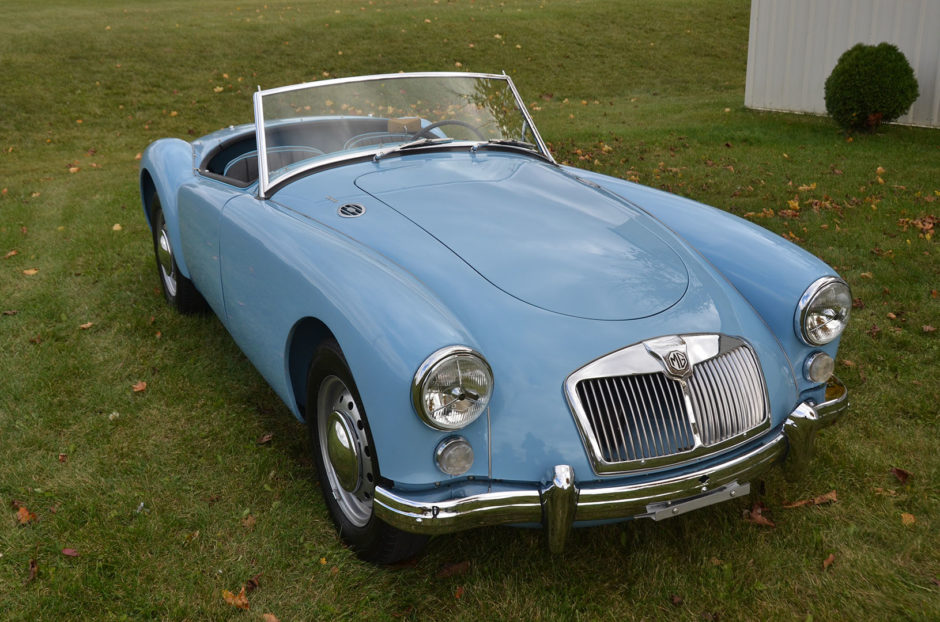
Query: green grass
{"points": [[154, 486]]}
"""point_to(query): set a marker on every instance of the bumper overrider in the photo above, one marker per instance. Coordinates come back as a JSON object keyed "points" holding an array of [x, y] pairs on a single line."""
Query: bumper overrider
{"points": [[558, 503]]}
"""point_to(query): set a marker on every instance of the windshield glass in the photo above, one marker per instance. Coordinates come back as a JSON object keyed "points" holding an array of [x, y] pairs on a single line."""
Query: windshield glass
{"points": [[312, 124]]}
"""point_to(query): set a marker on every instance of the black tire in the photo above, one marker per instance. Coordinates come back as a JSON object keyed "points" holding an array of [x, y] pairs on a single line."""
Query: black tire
{"points": [[332, 399], [178, 290]]}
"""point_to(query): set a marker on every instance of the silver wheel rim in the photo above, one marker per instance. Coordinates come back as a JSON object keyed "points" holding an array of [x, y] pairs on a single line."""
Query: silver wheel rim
{"points": [[165, 259], [352, 488]]}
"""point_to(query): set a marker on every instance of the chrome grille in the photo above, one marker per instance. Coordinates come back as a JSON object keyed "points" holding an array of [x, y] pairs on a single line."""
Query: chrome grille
{"points": [[640, 420], [637, 417], [727, 395]]}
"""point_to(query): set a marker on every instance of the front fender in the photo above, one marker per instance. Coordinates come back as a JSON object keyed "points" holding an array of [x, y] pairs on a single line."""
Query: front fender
{"points": [[279, 270], [770, 272], [165, 166]]}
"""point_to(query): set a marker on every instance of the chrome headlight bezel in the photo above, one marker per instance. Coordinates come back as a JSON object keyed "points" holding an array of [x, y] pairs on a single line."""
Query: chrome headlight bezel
{"points": [[426, 374], [808, 309]]}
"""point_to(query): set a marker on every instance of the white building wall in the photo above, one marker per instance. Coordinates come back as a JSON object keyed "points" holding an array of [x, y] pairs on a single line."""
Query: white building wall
{"points": [[794, 44]]}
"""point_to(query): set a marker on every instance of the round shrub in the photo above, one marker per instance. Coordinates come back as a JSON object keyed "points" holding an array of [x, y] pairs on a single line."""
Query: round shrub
{"points": [[870, 84]]}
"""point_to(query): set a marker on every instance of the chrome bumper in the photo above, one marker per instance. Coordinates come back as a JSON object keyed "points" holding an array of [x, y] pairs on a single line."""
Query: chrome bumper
{"points": [[560, 502]]}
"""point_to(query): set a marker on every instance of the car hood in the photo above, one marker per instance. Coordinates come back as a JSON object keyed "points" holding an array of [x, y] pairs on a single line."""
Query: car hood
{"points": [[542, 236]]}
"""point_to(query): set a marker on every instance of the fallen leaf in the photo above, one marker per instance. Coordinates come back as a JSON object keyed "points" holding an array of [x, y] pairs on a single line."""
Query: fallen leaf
{"points": [[10, 312], [866, 275], [676, 600], [458, 593], [879, 171], [236, 600], [33, 569], [829, 497], [37, 339], [252, 584], [265, 438], [935, 580], [454, 570], [24, 516], [874, 330], [891, 316], [901, 474], [887, 492], [927, 328], [70, 552], [908, 519], [31, 271], [116, 227], [137, 157], [12, 253], [63, 457], [86, 325], [269, 617], [139, 387], [828, 561], [756, 515], [847, 363], [249, 522]]}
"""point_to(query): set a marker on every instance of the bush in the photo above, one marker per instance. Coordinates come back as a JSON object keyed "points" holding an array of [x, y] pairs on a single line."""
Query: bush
{"points": [[871, 84]]}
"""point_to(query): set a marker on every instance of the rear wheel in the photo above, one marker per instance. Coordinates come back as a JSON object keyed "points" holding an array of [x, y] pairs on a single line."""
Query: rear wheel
{"points": [[346, 463], [178, 290]]}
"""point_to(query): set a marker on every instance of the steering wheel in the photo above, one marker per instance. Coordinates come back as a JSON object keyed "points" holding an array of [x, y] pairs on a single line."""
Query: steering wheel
{"points": [[424, 130]]}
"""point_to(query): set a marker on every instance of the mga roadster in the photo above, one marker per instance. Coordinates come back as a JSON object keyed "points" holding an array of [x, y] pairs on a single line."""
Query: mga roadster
{"points": [[476, 335]]}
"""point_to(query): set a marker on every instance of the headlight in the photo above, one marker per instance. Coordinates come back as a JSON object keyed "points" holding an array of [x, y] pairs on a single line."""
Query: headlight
{"points": [[823, 312], [452, 388]]}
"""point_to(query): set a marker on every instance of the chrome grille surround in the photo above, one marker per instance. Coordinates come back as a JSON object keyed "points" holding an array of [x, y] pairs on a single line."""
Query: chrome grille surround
{"points": [[637, 409]]}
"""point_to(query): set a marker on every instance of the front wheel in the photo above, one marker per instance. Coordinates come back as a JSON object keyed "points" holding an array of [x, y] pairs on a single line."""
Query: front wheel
{"points": [[346, 462], [178, 290]]}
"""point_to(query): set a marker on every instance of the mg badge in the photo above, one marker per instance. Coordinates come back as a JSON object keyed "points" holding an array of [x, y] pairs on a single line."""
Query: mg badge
{"points": [[678, 362]]}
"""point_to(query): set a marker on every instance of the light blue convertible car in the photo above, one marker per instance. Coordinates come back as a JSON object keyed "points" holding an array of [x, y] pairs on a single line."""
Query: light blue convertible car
{"points": [[476, 335]]}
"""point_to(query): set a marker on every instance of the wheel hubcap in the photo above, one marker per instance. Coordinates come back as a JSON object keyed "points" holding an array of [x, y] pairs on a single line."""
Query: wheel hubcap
{"points": [[165, 257], [345, 451]]}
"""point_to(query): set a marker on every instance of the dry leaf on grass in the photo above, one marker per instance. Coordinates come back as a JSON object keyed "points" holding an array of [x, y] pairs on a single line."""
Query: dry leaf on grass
{"points": [[12, 253], [139, 387], [454, 570], [31, 271], [33, 569], [828, 561], [86, 325], [829, 497], [458, 593], [265, 438], [24, 516], [269, 617], [901, 474], [756, 515], [908, 519], [70, 552], [236, 600]]}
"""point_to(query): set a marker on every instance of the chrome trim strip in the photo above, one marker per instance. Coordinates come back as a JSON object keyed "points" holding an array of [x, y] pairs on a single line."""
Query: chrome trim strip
{"points": [[262, 145], [382, 76], [525, 111], [560, 503]]}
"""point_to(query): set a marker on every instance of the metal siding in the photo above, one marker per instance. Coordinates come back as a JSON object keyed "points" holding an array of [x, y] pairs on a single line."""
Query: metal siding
{"points": [[794, 44]]}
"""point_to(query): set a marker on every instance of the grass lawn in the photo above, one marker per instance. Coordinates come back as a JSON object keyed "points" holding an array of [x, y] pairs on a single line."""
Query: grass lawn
{"points": [[148, 504]]}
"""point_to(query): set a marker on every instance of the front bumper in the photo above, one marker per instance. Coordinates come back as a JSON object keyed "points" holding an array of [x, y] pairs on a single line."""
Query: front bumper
{"points": [[560, 502]]}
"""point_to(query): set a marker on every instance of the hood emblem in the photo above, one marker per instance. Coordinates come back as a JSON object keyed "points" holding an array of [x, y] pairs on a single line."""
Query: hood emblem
{"points": [[672, 354], [677, 362], [351, 210]]}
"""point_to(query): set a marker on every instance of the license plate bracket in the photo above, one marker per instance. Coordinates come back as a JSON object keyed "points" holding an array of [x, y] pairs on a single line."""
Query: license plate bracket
{"points": [[669, 509]]}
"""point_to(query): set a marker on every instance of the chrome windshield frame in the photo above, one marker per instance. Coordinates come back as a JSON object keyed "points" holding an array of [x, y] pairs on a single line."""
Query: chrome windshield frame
{"points": [[265, 183]]}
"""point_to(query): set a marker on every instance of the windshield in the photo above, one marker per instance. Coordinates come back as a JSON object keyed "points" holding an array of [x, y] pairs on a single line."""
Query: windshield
{"points": [[309, 125]]}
